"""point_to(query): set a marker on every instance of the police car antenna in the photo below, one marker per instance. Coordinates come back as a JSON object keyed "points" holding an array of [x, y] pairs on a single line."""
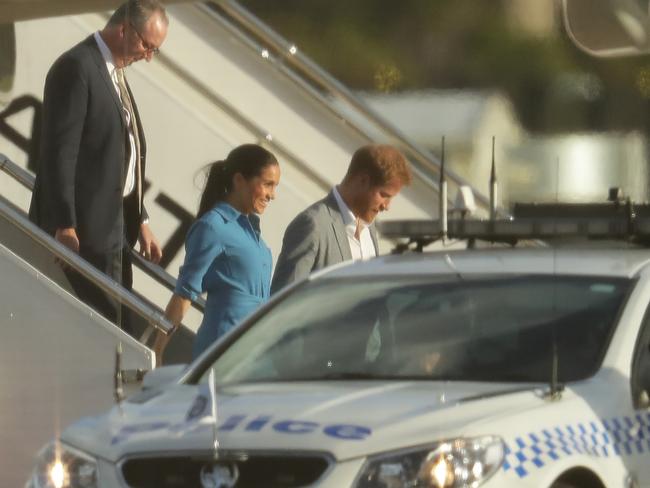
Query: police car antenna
{"points": [[555, 389], [442, 193], [493, 186]]}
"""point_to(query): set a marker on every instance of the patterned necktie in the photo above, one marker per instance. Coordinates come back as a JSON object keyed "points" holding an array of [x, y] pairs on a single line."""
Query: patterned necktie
{"points": [[128, 106]]}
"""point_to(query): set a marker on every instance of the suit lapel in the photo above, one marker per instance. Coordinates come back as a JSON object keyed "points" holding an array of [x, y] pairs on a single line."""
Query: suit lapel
{"points": [[103, 73], [373, 236], [105, 76], [143, 143], [338, 227], [129, 104]]}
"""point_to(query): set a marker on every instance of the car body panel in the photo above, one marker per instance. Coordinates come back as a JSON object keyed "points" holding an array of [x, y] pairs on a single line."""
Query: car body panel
{"points": [[547, 428], [501, 261]]}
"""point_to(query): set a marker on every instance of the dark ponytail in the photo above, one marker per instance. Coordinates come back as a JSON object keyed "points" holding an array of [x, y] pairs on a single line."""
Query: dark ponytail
{"points": [[247, 159], [215, 187]]}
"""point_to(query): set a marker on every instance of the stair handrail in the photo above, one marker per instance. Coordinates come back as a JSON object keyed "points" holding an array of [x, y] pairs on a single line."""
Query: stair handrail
{"points": [[427, 165], [112, 288], [21, 175], [162, 277], [27, 179]]}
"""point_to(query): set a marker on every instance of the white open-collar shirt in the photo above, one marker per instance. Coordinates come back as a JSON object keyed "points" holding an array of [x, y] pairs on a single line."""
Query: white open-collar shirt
{"points": [[129, 183], [362, 248]]}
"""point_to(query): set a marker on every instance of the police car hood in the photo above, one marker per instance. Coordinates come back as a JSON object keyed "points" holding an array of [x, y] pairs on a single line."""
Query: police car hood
{"points": [[347, 419]]}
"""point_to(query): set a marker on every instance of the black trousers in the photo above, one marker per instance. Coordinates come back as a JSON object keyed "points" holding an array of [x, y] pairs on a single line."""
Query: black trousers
{"points": [[116, 265]]}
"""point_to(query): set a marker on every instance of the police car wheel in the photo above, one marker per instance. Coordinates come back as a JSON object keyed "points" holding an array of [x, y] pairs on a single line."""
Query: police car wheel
{"points": [[563, 484]]}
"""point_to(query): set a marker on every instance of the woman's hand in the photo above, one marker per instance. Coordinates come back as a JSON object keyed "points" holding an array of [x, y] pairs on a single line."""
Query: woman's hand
{"points": [[159, 346], [175, 311]]}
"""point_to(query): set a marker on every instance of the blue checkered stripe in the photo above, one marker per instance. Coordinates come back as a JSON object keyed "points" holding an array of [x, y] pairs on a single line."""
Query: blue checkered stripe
{"points": [[618, 436]]}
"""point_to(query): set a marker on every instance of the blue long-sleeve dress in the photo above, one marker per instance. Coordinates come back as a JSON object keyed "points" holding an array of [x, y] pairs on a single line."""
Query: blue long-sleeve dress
{"points": [[226, 257]]}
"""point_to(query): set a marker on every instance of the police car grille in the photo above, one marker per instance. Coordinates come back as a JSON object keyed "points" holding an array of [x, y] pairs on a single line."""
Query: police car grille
{"points": [[256, 471]]}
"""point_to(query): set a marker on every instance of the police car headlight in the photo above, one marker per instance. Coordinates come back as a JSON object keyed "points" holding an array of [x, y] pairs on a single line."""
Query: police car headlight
{"points": [[458, 463], [61, 466]]}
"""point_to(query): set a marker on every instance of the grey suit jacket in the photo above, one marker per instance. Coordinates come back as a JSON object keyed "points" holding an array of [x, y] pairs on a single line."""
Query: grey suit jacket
{"points": [[315, 239]]}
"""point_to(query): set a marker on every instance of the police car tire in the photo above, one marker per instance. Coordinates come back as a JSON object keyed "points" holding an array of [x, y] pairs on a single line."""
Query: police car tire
{"points": [[563, 484]]}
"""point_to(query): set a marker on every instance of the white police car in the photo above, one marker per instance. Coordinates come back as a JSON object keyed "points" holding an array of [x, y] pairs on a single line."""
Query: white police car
{"points": [[492, 368]]}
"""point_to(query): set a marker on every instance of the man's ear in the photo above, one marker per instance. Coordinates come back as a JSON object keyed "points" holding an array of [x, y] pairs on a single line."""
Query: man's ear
{"points": [[363, 181], [122, 31]]}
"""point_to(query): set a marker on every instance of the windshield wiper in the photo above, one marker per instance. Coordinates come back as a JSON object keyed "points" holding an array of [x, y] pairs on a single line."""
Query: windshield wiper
{"points": [[501, 378], [355, 375]]}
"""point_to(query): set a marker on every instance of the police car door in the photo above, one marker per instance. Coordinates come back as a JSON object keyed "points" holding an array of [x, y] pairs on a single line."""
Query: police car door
{"points": [[634, 438]]}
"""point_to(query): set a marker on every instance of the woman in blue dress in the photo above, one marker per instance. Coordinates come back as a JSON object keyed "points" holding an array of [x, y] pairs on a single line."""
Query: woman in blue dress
{"points": [[225, 255]]}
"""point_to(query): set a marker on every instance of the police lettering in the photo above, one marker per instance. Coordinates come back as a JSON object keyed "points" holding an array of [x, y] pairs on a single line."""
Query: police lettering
{"points": [[245, 424]]}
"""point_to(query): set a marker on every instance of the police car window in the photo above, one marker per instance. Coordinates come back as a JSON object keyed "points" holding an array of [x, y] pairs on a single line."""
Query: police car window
{"points": [[487, 328]]}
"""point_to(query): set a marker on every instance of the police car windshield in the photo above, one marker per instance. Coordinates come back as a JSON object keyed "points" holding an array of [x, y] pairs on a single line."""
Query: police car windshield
{"points": [[483, 328]]}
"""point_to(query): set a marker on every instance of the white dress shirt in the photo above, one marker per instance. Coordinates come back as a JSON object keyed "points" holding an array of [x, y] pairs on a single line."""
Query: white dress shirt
{"points": [[129, 183], [363, 247]]}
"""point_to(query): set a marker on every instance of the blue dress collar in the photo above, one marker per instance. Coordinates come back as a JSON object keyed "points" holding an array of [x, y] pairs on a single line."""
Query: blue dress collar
{"points": [[227, 211], [230, 213]]}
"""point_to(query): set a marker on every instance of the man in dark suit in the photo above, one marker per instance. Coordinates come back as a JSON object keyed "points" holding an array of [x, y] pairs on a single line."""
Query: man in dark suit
{"points": [[88, 191], [339, 227]]}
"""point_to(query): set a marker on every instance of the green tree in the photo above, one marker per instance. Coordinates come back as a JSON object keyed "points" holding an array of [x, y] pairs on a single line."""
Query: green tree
{"points": [[386, 45]]}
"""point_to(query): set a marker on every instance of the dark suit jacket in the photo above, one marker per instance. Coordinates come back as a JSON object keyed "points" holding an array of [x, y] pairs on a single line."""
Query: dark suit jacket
{"points": [[83, 157], [315, 239]]}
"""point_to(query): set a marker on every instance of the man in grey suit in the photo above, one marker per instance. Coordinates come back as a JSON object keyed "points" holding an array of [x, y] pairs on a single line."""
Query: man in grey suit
{"points": [[89, 184], [339, 227]]}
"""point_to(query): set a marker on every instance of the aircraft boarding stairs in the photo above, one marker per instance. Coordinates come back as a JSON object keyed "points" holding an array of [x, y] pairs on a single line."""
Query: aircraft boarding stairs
{"points": [[59, 358], [29, 243]]}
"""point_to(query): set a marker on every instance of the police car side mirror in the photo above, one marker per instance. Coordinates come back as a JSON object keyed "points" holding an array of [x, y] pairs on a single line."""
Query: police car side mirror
{"points": [[643, 399], [641, 388], [163, 375]]}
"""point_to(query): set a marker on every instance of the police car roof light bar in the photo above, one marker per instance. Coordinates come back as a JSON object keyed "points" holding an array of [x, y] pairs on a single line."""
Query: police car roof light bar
{"points": [[624, 221]]}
